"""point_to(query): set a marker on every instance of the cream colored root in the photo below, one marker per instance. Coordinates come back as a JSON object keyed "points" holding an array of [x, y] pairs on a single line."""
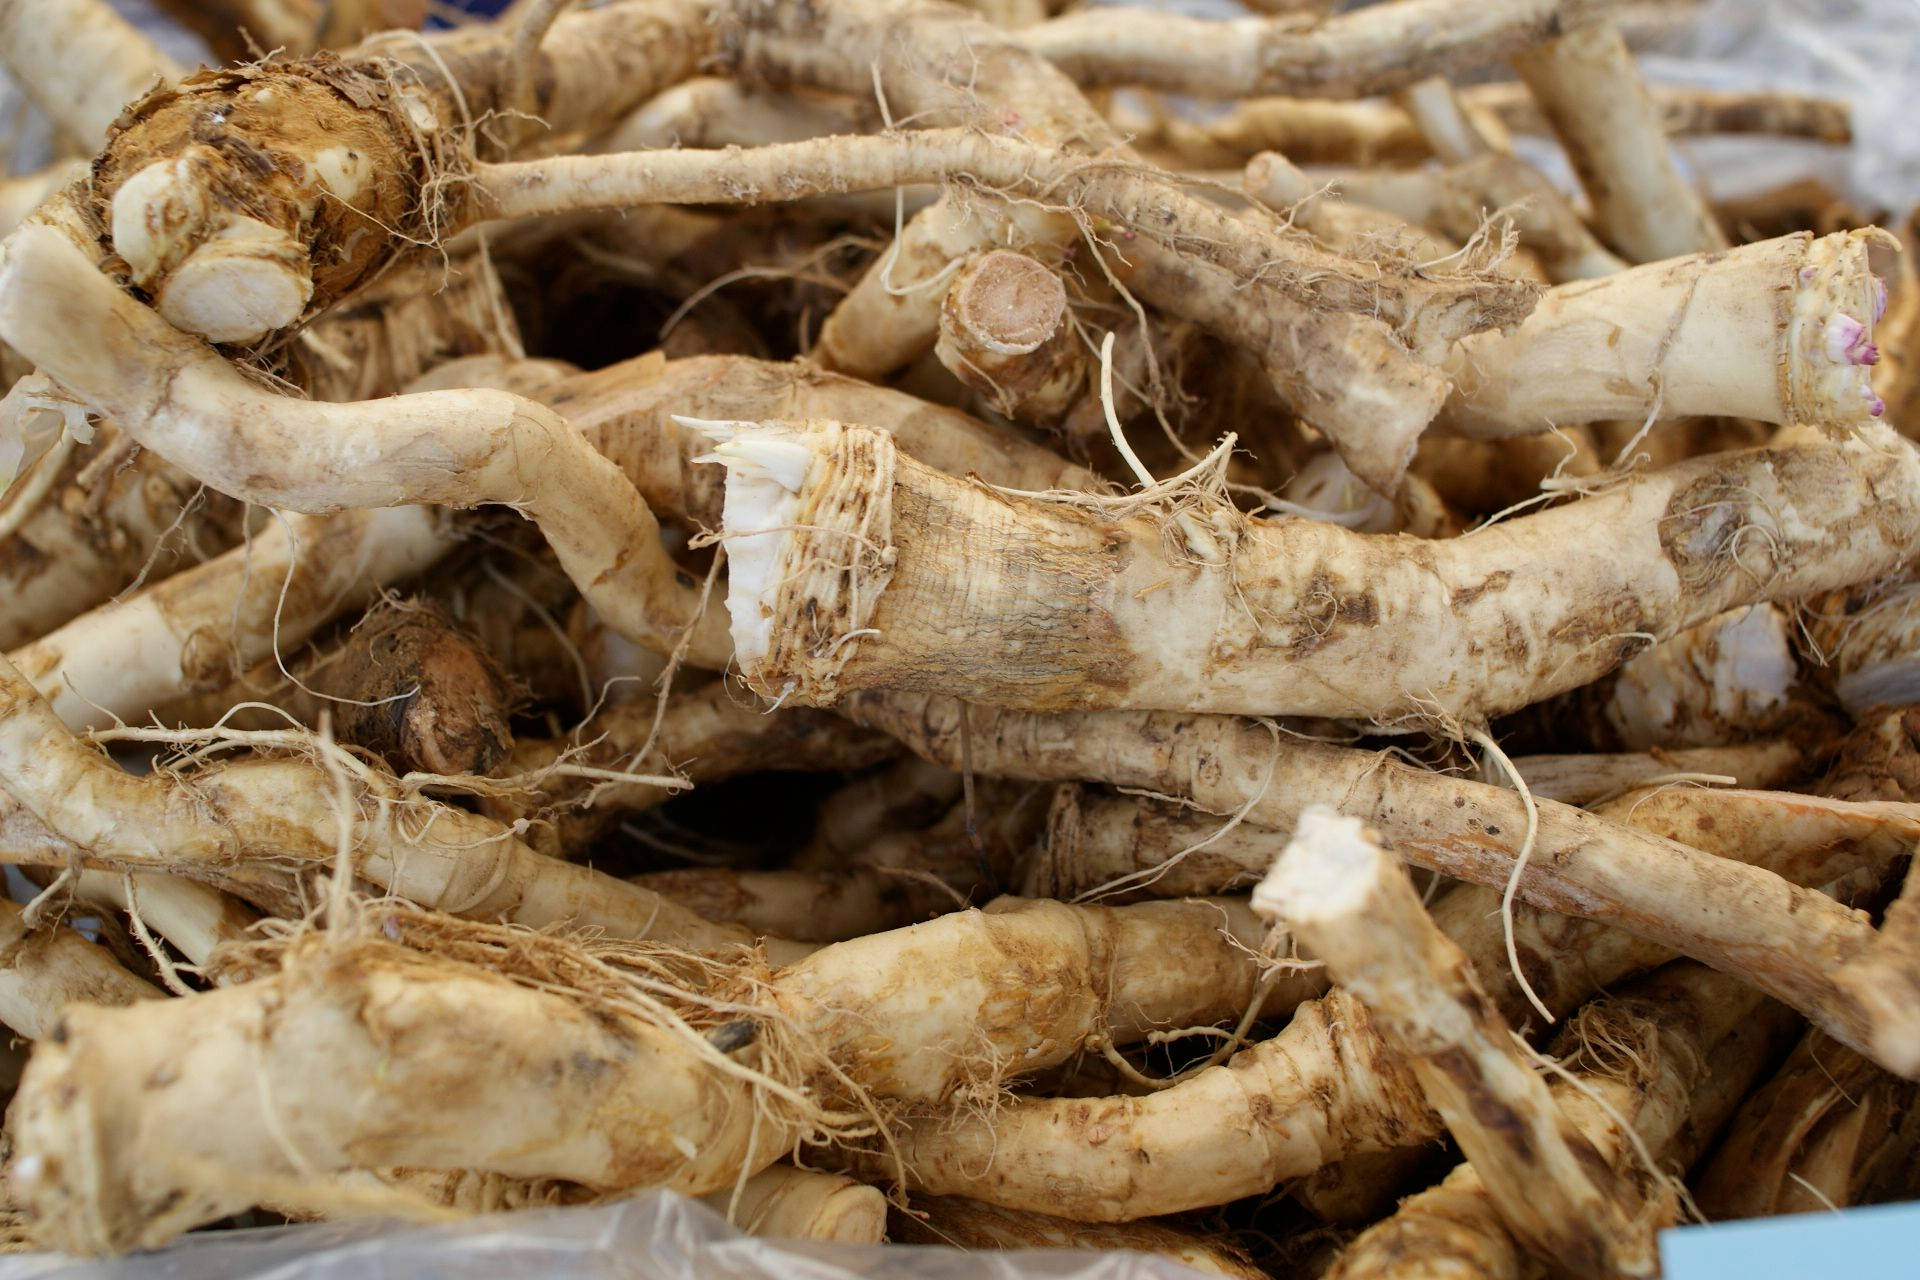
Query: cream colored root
{"points": [[193, 917], [91, 534], [1323, 1088], [457, 448], [44, 970], [1585, 778], [361, 1055], [1780, 331], [1116, 847], [1352, 905], [20, 196], [197, 630], [1358, 53], [1828, 1130], [1867, 644], [783, 1202], [936, 66], [629, 411], [414, 320], [953, 1010], [845, 552], [1635, 1063], [1432, 308], [1275, 182], [79, 61], [710, 112], [1795, 944], [1006, 331], [1456, 200], [248, 823], [1346, 374], [1587, 87], [969, 1224]]}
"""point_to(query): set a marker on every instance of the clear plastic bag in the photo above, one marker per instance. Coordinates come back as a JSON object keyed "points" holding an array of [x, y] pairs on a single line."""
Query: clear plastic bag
{"points": [[654, 1236]]}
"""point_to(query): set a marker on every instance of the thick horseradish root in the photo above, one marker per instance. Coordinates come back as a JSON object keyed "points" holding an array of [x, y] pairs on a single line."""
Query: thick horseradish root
{"points": [[731, 596]]}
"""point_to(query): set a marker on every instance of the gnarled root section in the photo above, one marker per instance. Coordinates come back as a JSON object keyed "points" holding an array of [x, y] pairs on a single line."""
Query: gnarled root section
{"points": [[846, 554]]}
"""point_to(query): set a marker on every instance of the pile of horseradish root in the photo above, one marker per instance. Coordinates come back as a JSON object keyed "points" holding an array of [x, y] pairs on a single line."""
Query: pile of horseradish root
{"points": [[1001, 625]]}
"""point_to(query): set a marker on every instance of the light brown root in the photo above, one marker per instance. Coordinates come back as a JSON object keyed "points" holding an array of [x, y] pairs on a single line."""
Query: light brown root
{"points": [[198, 630], [246, 826], [1585, 778], [710, 734], [193, 918], [1352, 905], [1587, 86], [1022, 986], [845, 552], [1708, 334], [44, 970], [1796, 944], [529, 1059], [461, 448], [902, 796], [1828, 1130], [1633, 1063], [80, 62]]}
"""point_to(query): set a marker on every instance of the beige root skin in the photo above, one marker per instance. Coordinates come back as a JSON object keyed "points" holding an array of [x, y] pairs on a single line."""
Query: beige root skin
{"points": [[905, 795], [459, 448], [1323, 1088], [1684, 109], [1352, 905], [709, 112], [197, 630], [1006, 331], [968, 1224], [1587, 86], [193, 917], [1351, 55], [954, 1009], [1797, 945], [362, 1055], [252, 818], [79, 61], [1457, 199], [1867, 645], [90, 534], [788, 1203], [1779, 331], [1208, 610], [44, 970], [806, 906], [1829, 1130]]}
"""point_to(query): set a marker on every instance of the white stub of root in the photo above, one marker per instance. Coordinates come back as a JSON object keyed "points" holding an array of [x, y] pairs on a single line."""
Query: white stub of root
{"points": [[766, 471], [1326, 871], [247, 281], [213, 272]]}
